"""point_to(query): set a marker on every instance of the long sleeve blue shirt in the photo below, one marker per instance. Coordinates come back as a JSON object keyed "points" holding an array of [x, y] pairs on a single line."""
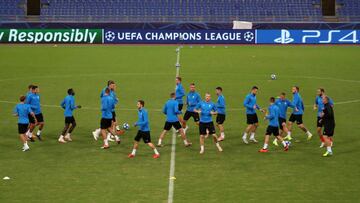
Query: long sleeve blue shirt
{"points": [[221, 104], [23, 111], [143, 120], [68, 104], [112, 94], [273, 115], [249, 102], [320, 104], [107, 104], [34, 101], [206, 108], [298, 104], [171, 110], [192, 99], [180, 93], [283, 106]]}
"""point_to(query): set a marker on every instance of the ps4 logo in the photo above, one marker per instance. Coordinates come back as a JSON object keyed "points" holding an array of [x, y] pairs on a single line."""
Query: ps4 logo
{"points": [[317, 36], [285, 37]]}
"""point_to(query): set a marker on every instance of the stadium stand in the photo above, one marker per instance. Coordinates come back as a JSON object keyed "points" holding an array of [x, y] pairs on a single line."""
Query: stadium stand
{"points": [[181, 10]]}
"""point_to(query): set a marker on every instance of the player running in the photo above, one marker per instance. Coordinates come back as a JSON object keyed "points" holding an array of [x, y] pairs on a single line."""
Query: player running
{"points": [[144, 131], [112, 86], [180, 93], [297, 114], [171, 110], [22, 111], [319, 106], [28, 134], [328, 120], [283, 105], [273, 128], [107, 105], [68, 104], [206, 126], [252, 119], [221, 109], [192, 99], [33, 100]]}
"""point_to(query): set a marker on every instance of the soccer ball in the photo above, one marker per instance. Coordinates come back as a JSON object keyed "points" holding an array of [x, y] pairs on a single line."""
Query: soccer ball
{"points": [[273, 76], [126, 126]]}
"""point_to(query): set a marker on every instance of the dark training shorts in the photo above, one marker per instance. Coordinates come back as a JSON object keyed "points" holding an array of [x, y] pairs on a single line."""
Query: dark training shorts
{"points": [[206, 126], [113, 116], [329, 130], [271, 130], [281, 121], [319, 123], [189, 114], [145, 135], [251, 119], [297, 118], [22, 128], [180, 107], [168, 125], [105, 123], [220, 118], [70, 120]]}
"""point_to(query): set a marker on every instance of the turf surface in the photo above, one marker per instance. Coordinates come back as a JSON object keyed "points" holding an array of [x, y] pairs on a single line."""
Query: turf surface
{"points": [[81, 172]]}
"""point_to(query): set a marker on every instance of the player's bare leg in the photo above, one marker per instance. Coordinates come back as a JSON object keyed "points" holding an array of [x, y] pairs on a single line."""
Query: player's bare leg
{"points": [[290, 126], [217, 143], [202, 143], [303, 128], [38, 133], [71, 129], [105, 140], [23, 139], [156, 153], [328, 144], [135, 147], [252, 133], [222, 133], [114, 133], [161, 137], [63, 133], [187, 143], [247, 131]]}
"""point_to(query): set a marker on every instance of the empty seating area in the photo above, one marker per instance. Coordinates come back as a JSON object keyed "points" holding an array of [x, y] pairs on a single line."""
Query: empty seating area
{"points": [[348, 9], [179, 10]]}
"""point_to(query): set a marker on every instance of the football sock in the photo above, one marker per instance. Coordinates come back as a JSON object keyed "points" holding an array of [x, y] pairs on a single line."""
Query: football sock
{"points": [[329, 149], [222, 134], [156, 151], [252, 136], [265, 146], [284, 143], [133, 152], [245, 136], [38, 133]]}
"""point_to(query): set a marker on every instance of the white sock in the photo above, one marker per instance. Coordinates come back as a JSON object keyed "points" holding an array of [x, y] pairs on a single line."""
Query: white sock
{"points": [[26, 145], [117, 137], [329, 149], [61, 137], [252, 136], [289, 133], [159, 142], [265, 146], [217, 144], [202, 148], [222, 134], [106, 142], [68, 135], [38, 133], [185, 142], [97, 131], [133, 152], [275, 140], [308, 132], [245, 136], [284, 143], [156, 151]]}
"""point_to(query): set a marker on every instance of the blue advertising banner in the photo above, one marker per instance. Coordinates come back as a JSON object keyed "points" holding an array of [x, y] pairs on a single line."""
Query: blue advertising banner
{"points": [[113, 36], [308, 36]]}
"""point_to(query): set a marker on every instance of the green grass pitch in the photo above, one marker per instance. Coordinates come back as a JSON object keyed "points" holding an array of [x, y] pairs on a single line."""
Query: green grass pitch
{"points": [[81, 172]]}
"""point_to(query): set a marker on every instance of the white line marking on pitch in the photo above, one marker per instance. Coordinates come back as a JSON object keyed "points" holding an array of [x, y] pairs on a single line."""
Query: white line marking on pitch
{"points": [[172, 169]]}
